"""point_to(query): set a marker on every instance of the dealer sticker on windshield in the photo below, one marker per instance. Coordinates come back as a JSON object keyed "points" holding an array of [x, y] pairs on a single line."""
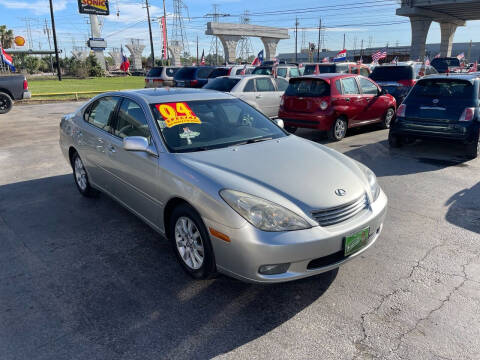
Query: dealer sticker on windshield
{"points": [[356, 241], [177, 114]]}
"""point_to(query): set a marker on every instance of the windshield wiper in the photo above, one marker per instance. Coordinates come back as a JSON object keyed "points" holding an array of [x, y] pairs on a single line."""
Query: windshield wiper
{"points": [[251, 141]]}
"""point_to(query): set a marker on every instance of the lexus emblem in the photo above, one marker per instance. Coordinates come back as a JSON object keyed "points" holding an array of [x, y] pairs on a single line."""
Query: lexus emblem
{"points": [[435, 101], [340, 192]]}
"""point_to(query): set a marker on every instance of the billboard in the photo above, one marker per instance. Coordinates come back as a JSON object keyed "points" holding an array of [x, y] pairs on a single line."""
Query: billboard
{"points": [[95, 7]]}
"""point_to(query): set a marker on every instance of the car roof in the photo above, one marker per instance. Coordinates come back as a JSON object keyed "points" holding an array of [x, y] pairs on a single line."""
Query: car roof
{"points": [[465, 76], [250, 76], [401, 63], [167, 94], [326, 76]]}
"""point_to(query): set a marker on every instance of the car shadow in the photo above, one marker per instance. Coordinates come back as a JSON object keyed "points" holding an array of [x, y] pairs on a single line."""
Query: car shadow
{"points": [[464, 208], [84, 277], [322, 137]]}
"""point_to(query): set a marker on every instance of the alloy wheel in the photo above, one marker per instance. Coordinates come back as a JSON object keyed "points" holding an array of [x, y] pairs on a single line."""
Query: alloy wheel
{"points": [[3, 103], [80, 174], [340, 129], [189, 243], [389, 117]]}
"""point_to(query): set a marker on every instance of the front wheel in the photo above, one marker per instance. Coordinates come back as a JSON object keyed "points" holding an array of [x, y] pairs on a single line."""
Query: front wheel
{"points": [[191, 242], [290, 129], [6, 103], [387, 118], [338, 130]]}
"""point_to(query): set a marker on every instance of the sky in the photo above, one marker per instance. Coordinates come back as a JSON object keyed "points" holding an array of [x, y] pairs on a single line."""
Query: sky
{"points": [[372, 21]]}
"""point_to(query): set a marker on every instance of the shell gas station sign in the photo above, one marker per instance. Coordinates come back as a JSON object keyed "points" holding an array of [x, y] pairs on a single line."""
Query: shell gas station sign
{"points": [[94, 7]]}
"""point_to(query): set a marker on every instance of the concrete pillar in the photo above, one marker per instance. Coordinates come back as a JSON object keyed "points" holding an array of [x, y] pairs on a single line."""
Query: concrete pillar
{"points": [[229, 43], [270, 47], [96, 33], [420, 26], [116, 57], [175, 52], [448, 31], [80, 54], [136, 50]]}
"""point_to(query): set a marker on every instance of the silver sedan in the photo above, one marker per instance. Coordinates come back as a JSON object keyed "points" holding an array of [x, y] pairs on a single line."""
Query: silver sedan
{"points": [[232, 191]]}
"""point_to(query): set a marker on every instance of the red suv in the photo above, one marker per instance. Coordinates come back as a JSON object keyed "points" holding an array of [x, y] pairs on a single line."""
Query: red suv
{"points": [[335, 102]]}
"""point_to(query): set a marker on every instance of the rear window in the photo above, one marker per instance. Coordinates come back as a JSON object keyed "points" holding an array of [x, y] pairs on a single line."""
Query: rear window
{"points": [[443, 64], [171, 71], [222, 84], [294, 72], [155, 72], [185, 73], [204, 72], [262, 71], [218, 72], [327, 68], [308, 87], [440, 88], [392, 73], [309, 69]]}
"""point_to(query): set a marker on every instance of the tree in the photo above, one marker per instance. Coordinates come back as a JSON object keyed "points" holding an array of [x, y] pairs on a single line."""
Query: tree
{"points": [[6, 37], [93, 68]]}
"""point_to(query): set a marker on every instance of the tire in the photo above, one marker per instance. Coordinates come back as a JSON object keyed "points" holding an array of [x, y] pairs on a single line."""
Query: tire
{"points": [[191, 243], [394, 141], [81, 178], [291, 129], [473, 148], [338, 130], [388, 117], [6, 103]]}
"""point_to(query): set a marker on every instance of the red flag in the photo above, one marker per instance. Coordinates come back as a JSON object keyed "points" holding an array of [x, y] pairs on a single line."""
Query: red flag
{"points": [[125, 65], [202, 59]]}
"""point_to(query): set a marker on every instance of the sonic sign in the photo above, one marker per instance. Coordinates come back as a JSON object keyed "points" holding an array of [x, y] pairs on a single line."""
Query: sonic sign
{"points": [[95, 7]]}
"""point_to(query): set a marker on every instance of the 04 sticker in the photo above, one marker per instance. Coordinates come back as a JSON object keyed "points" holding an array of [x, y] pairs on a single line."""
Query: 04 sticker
{"points": [[177, 114]]}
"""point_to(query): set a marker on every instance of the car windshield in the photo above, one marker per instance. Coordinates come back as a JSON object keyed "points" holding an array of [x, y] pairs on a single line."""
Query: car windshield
{"points": [[155, 72], [308, 88], [443, 88], [210, 124], [222, 84], [262, 71], [392, 73]]}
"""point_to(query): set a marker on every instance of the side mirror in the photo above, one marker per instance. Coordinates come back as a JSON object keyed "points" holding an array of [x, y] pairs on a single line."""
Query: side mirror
{"points": [[382, 92], [138, 143], [280, 123]]}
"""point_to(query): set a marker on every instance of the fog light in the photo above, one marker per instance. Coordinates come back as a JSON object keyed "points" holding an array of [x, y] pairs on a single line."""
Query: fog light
{"points": [[273, 269]]}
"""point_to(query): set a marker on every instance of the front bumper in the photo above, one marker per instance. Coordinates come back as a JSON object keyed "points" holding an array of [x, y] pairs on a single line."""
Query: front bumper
{"points": [[309, 252], [466, 131], [319, 121]]}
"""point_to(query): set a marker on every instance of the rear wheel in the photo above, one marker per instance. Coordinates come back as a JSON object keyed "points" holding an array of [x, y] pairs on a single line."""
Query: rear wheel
{"points": [[6, 103], [290, 129], [473, 148], [338, 130], [395, 141], [388, 117]]}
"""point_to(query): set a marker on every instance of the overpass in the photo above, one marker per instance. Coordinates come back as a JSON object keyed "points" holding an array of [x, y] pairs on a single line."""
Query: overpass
{"points": [[449, 13]]}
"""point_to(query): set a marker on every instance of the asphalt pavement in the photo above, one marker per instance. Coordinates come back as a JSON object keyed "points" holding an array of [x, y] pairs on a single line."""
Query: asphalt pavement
{"points": [[84, 279]]}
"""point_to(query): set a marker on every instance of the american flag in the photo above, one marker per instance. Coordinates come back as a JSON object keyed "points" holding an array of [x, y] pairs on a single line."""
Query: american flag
{"points": [[380, 54], [460, 56]]}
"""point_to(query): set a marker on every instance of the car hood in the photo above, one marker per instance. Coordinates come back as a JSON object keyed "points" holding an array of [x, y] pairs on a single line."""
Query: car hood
{"points": [[290, 171]]}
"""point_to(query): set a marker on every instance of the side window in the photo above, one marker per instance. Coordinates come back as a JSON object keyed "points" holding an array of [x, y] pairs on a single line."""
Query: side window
{"points": [[101, 111], [264, 84], [338, 86], [131, 121], [249, 86], [353, 70], [203, 73], [342, 69], [282, 72], [368, 88], [294, 72], [350, 86], [364, 72], [282, 84]]}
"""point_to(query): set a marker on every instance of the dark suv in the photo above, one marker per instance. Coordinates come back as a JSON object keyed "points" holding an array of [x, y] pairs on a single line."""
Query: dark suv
{"points": [[192, 76], [446, 64], [440, 106], [398, 79], [342, 68]]}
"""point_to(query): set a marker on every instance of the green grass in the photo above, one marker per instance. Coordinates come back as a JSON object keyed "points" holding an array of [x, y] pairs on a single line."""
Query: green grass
{"points": [[42, 86]]}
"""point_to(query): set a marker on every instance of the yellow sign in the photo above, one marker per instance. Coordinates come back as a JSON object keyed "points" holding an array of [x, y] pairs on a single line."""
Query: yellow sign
{"points": [[19, 40], [177, 114], [96, 7]]}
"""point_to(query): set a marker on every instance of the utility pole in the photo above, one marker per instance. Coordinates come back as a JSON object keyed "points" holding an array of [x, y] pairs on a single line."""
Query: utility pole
{"points": [[469, 51], [165, 30], [54, 33], [197, 51], [361, 49], [46, 30], [343, 41], [296, 38], [319, 39], [150, 32]]}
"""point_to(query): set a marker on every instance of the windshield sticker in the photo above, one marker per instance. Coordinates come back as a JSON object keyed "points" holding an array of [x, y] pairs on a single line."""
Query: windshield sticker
{"points": [[189, 134], [177, 114]]}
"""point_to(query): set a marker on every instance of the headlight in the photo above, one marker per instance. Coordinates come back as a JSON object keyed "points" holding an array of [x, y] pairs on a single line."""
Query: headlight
{"points": [[372, 181], [263, 214]]}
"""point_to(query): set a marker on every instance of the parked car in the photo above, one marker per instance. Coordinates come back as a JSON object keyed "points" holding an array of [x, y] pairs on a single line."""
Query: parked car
{"points": [[334, 103], [192, 76], [219, 71], [207, 171], [398, 79], [441, 106], [12, 87], [241, 69], [342, 68], [285, 71], [446, 64], [160, 76], [260, 91]]}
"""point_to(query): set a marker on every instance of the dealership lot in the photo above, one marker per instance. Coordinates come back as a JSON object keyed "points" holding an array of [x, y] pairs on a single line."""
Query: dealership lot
{"points": [[84, 278]]}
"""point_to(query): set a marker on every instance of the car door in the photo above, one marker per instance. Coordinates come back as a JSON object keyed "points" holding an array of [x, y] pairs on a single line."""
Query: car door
{"points": [[351, 101], [266, 97], [247, 94], [134, 174], [91, 138], [375, 106]]}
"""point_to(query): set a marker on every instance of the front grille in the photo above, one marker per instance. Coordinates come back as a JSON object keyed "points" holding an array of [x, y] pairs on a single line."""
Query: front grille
{"points": [[340, 213]]}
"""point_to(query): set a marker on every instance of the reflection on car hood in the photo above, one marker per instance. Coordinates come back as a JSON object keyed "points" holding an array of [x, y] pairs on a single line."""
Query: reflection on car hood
{"points": [[289, 171]]}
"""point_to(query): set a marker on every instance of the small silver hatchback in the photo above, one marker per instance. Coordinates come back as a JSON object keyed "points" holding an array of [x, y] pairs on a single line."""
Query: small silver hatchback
{"points": [[230, 189]]}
